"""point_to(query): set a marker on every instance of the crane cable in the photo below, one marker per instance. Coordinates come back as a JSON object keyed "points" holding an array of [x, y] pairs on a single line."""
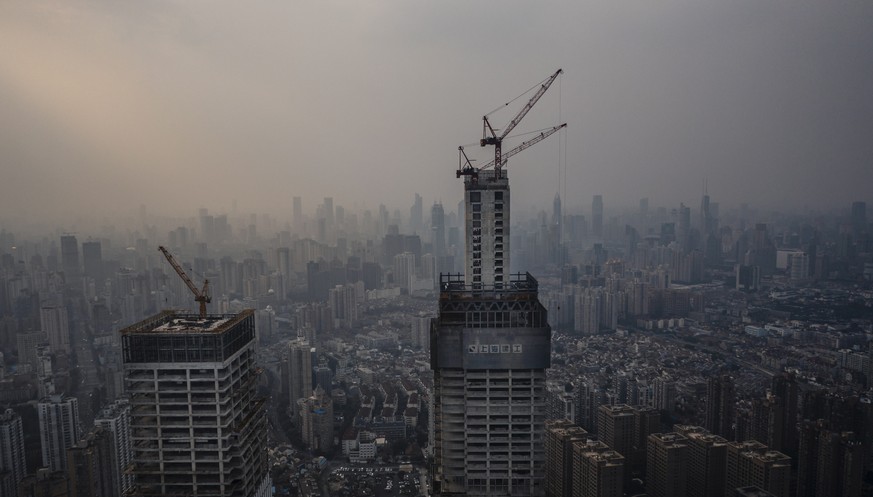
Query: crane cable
{"points": [[516, 98]]}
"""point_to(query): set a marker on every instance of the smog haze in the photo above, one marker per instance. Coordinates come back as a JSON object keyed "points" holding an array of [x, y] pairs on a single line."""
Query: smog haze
{"points": [[107, 106]]}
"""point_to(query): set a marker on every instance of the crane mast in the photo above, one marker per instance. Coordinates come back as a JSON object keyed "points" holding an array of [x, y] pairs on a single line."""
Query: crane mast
{"points": [[200, 296], [497, 141]]}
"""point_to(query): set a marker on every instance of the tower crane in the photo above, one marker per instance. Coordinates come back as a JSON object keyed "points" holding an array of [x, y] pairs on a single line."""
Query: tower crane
{"points": [[467, 166], [201, 296], [496, 140]]}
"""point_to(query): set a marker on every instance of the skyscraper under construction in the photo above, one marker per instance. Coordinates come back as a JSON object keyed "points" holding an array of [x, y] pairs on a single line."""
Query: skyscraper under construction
{"points": [[490, 348], [197, 426]]}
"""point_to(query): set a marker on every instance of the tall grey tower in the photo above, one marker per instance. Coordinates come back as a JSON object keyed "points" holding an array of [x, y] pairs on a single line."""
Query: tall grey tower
{"points": [[486, 213], [299, 374], [58, 429], [197, 426], [12, 464], [438, 227], [490, 348], [597, 216], [70, 260]]}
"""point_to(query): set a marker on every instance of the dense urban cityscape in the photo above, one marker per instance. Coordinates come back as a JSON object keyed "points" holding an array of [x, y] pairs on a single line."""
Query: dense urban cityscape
{"points": [[285, 249], [693, 351]]}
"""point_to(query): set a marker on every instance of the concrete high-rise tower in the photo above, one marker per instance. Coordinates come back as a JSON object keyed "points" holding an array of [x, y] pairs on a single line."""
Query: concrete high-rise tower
{"points": [[597, 216], [438, 229], [299, 374], [667, 465], [720, 406], [12, 462], [58, 429], [92, 260], [486, 212], [90, 464], [707, 457], [115, 418], [198, 427], [70, 260], [490, 348], [56, 325]]}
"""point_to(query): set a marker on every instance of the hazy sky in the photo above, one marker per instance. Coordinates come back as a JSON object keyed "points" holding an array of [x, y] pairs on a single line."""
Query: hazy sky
{"points": [[105, 105]]}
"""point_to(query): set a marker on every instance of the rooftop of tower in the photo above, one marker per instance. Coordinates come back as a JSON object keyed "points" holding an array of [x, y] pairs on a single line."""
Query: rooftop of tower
{"points": [[173, 322]]}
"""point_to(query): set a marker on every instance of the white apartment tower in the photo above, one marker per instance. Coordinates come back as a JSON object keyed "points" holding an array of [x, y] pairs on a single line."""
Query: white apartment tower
{"points": [[197, 425], [490, 348], [58, 429]]}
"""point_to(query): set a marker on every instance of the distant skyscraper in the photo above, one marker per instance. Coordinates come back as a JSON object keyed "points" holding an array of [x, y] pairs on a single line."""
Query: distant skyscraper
{"points": [[665, 393], [416, 214], [342, 300], [557, 215], [785, 388], [438, 230], [404, 270], [115, 418], [56, 326], [92, 259], [720, 406], [197, 425], [58, 429], [299, 374], [489, 367], [597, 216], [644, 209], [90, 464], [297, 213], [12, 462], [316, 420], [70, 260], [328, 211]]}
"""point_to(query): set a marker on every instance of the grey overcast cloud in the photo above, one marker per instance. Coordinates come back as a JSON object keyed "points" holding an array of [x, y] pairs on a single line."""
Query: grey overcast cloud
{"points": [[107, 105]]}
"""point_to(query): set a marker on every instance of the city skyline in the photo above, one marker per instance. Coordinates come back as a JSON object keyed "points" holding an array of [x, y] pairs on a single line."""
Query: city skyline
{"points": [[766, 102], [677, 300]]}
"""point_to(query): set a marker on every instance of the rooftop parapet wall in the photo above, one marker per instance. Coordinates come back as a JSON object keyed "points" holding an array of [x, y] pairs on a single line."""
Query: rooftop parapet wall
{"points": [[171, 337]]}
